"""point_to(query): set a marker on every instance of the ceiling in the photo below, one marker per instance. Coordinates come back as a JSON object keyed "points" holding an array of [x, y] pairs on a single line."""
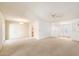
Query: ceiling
{"points": [[40, 10]]}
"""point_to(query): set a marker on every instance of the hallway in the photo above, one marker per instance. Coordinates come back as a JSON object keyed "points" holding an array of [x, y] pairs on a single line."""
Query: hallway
{"points": [[51, 46]]}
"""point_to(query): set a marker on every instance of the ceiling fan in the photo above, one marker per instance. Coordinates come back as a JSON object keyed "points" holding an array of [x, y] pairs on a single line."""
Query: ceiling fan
{"points": [[55, 15]]}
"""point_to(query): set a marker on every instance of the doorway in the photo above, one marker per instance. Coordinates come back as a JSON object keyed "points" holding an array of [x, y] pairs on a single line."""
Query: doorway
{"points": [[16, 30]]}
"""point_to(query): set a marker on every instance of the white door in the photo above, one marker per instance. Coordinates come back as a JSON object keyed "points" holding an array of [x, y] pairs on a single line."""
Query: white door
{"points": [[1, 29]]}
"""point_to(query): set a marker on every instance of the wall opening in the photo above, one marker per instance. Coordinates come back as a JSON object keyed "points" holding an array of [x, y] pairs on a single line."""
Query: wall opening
{"points": [[16, 30]]}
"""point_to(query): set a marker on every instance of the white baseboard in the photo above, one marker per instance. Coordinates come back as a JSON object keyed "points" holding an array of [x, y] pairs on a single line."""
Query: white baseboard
{"points": [[44, 37]]}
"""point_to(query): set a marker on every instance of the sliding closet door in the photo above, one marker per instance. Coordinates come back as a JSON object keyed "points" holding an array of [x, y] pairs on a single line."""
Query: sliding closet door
{"points": [[67, 30], [1, 34], [1, 29], [75, 30], [62, 30]]}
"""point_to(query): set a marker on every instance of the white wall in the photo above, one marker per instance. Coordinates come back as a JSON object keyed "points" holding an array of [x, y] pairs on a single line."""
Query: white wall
{"points": [[55, 31], [44, 29]]}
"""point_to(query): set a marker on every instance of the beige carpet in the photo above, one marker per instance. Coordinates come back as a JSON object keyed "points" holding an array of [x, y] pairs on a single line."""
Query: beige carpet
{"points": [[44, 47]]}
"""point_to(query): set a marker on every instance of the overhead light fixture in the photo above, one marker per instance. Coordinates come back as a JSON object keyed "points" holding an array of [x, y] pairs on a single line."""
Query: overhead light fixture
{"points": [[56, 16], [21, 23]]}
